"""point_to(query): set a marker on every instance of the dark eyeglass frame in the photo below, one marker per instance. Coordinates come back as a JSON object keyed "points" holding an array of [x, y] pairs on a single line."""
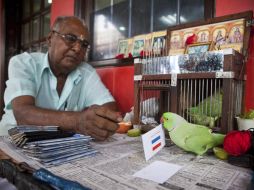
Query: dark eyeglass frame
{"points": [[72, 39]]}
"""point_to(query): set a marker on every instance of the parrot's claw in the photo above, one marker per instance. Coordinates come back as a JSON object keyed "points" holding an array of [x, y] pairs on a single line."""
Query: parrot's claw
{"points": [[199, 157]]}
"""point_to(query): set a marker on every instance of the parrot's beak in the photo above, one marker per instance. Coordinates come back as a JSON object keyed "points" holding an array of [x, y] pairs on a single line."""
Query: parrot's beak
{"points": [[161, 120]]}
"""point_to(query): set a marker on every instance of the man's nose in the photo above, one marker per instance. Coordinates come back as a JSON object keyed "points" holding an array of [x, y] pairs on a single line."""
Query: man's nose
{"points": [[77, 45]]}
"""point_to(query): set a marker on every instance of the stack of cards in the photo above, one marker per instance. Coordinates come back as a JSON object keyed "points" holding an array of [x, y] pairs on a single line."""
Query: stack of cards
{"points": [[49, 145], [22, 134]]}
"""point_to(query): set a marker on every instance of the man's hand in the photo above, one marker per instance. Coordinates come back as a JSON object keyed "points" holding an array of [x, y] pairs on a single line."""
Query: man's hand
{"points": [[98, 122]]}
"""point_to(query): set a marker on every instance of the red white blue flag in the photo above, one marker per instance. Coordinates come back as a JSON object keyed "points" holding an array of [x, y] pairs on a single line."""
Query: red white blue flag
{"points": [[153, 141], [156, 141]]}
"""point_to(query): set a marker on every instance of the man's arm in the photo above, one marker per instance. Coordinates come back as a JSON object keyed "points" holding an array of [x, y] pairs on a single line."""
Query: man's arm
{"points": [[97, 121]]}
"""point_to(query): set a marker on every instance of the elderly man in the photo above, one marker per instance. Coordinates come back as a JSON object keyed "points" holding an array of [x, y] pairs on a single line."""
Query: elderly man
{"points": [[58, 88]]}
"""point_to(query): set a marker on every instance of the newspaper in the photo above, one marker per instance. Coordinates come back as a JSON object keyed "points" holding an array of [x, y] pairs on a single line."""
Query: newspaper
{"points": [[120, 157]]}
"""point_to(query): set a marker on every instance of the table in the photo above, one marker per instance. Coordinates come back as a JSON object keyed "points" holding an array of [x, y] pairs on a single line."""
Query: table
{"points": [[120, 157]]}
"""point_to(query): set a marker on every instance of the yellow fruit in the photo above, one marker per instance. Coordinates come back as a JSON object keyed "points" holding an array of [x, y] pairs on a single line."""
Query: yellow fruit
{"points": [[123, 127], [134, 132], [220, 153]]}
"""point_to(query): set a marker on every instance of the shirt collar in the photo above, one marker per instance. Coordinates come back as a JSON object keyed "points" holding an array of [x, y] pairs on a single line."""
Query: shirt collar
{"points": [[45, 64], [75, 75]]}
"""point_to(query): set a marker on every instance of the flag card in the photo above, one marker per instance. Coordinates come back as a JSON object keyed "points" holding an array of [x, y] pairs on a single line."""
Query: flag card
{"points": [[153, 141]]}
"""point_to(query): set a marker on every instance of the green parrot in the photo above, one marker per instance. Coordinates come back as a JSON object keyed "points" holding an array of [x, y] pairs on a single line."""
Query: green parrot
{"points": [[207, 111], [190, 137]]}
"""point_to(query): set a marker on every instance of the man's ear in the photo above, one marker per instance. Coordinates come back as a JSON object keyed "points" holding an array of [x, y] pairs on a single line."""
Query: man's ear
{"points": [[48, 39]]}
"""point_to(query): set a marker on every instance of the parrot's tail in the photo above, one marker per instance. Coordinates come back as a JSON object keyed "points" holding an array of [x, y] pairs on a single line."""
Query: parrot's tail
{"points": [[218, 138]]}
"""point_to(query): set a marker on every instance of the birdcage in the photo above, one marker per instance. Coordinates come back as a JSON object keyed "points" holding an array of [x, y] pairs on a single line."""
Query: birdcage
{"points": [[206, 88]]}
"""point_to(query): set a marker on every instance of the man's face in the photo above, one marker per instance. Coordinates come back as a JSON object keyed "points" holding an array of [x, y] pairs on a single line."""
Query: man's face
{"points": [[65, 55]]}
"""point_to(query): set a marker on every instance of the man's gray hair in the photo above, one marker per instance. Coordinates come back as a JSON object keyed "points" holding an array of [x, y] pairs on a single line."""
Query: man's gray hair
{"points": [[62, 19]]}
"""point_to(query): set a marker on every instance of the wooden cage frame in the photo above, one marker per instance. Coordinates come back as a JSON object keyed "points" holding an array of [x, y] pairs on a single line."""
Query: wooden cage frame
{"points": [[233, 72]]}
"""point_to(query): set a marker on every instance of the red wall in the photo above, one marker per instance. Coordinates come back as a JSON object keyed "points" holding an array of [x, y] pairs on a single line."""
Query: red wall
{"points": [[61, 8], [119, 81], [225, 7]]}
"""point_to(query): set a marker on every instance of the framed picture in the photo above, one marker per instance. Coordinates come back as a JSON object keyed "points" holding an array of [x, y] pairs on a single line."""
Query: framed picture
{"points": [[203, 36], [122, 47], [219, 36], [224, 34], [138, 45], [159, 42], [198, 48]]}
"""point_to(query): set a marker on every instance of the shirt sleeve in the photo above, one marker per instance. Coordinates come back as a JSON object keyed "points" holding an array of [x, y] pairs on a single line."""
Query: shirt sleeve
{"points": [[21, 79], [97, 93]]}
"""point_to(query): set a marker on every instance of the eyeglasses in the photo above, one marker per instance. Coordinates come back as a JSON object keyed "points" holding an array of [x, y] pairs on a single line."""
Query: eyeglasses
{"points": [[72, 39]]}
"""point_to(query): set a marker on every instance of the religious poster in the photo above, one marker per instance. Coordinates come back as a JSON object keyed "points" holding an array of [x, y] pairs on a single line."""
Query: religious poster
{"points": [[122, 47], [138, 45], [224, 35], [159, 42]]}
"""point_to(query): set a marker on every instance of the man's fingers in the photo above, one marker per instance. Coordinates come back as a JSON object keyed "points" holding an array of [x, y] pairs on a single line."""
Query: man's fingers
{"points": [[100, 132], [96, 133], [97, 137], [110, 133], [99, 122], [106, 124], [108, 114]]}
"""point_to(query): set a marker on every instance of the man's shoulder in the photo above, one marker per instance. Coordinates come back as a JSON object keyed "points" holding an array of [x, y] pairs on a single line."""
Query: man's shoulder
{"points": [[86, 68], [27, 57]]}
